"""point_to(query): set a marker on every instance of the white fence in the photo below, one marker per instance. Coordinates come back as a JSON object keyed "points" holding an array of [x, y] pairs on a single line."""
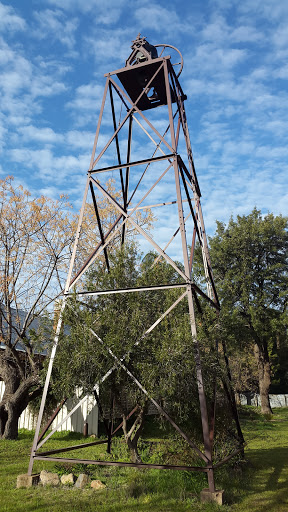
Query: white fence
{"points": [[86, 413], [254, 399]]}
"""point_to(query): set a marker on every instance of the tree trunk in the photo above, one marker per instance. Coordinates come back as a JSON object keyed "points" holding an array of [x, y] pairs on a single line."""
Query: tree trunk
{"points": [[9, 427], [133, 448], [264, 376], [13, 403], [3, 419], [132, 437]]}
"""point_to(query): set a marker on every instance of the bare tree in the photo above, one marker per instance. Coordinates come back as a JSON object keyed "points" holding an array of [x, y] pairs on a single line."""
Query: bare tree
{"points": [[35, 238]]}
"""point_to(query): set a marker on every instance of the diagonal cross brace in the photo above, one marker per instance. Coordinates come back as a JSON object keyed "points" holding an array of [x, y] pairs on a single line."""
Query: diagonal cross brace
{"points": [[101, 246], [113, 367], [160, 409], [141, 230], [133, 107]]}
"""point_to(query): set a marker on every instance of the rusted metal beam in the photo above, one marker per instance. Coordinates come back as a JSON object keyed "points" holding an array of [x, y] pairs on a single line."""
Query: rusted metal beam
{"points": [[158, 406], [159, 204], [109, 372], [129, 290], [99, 224], [108, 237], [223, 461], [127, 418], [151, 160], [200, 292], [128, 114], [126, 188], [71, 448], [190, 204], [141, 230], [97, 398], [134, 107], [116, 138], [125, 464], [51, 419], [124, 70]]}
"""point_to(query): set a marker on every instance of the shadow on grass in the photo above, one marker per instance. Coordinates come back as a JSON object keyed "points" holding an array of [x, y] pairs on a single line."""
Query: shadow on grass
{"points": [[25, 434], [264, 476], [275, 460]]}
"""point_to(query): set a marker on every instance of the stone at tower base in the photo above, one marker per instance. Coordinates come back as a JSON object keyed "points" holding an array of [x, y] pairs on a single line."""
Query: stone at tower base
{"points": [[27, 480], [207, 496]]}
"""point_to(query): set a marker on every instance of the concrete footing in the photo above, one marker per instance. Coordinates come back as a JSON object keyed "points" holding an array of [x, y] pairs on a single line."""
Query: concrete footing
{"points": [[27, 480], [207, 496]]}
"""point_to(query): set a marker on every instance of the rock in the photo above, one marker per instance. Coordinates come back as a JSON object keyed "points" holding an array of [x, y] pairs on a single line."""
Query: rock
{"points": [[97, 484], [27, 480], [82, 481], [68, 479], [47, 478]]}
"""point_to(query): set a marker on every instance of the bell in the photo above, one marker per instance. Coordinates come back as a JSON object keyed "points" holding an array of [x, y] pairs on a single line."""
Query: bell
{"points": [[141, 66], [142, 51]]}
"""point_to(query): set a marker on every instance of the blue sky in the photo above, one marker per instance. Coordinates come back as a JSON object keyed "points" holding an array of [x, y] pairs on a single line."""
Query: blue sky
{"points": [[53, 56]]}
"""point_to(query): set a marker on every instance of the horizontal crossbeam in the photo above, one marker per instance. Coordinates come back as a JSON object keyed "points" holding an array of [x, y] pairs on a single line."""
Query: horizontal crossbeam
{"points": [[75, 447], [129, 290], [124, 464], [132, 164], [158, 204]]}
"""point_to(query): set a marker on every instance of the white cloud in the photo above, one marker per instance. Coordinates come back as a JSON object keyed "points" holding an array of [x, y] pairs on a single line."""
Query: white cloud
{"points": [[45, 85], [54, 25], [245, 33], [261, 73], [209, 59], [85, 97], [109, 50], [56, 67], [44, 135], [80, 140], [274, 152], [276, 126], [104, 13], [50, 166], [9, 20], [280, 36], [257, 9], [218, 31], [16, 70], [156, 17], [85, 106], [23, 82], [70, 141], [272, 11], [3, 132], [281, 72]]}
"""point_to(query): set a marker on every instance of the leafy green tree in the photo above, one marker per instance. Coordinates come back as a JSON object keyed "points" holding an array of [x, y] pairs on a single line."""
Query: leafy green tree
{"points": [[120, 321], [163, 360], [249, 257]]}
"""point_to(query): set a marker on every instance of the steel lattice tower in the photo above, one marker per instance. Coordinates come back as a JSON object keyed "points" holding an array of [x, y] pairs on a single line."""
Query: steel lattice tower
{"points": [[147, 82]]}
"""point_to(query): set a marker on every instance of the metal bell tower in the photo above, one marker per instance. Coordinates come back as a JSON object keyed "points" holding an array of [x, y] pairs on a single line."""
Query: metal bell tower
{"points": [[149, 97]]}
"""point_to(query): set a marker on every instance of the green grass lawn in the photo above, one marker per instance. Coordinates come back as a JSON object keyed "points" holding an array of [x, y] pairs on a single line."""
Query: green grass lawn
{"points": [[260, 484]]}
